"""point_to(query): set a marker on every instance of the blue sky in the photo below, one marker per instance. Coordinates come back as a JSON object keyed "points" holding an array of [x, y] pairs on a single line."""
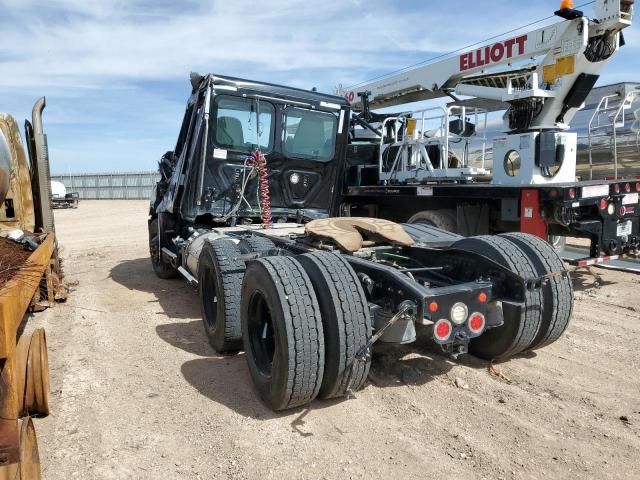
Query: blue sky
{"points": [[116, 72]]}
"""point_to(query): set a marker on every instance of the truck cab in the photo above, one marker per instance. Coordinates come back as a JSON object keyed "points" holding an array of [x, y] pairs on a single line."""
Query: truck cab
{"points": [[209, 178]]}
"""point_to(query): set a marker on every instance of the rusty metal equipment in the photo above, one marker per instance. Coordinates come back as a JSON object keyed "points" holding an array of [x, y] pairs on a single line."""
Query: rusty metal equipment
{"points": [[24, 376]]}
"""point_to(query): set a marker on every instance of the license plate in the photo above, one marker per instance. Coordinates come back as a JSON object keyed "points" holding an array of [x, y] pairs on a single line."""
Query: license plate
{"points": [[624, 229], [593, 191], [630, 199]]}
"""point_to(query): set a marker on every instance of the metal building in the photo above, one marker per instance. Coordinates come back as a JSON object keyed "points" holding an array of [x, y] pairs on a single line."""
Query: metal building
{"points": [[116, 185]]}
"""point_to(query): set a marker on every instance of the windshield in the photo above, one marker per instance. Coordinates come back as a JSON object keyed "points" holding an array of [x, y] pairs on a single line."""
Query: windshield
{"points": [[309, 134], [238, 126]]}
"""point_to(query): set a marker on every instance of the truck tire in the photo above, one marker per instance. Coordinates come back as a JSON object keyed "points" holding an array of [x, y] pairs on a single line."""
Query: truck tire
{"points": [[557, 293], [345, 318], [162, 269], [255, 244], [442, 219], [220, 274], [521, 326], [282, 332]]}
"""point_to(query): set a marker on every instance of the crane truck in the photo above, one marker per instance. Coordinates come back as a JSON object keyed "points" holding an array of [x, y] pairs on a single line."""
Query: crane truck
{"points": [[432, 165], [255, 207]]}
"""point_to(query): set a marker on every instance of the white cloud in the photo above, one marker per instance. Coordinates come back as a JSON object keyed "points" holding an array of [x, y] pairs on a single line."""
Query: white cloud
{"points": [[111, 67]]}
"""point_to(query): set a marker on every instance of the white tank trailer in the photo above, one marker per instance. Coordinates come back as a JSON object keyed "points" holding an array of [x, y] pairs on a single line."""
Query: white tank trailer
{"points": [[608, 128]]}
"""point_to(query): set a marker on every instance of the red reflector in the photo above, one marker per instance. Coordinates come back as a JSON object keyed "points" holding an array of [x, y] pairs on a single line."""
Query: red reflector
{"points": [[627, 187], [482, 297], [433, 307], [603, 204], [476, 322], [553, 193], [572, 193], [442, 330], [616, 188]]}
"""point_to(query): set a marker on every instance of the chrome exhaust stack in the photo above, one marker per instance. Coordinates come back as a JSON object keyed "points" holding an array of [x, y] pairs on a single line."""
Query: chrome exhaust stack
{"points": [[41, 173]]}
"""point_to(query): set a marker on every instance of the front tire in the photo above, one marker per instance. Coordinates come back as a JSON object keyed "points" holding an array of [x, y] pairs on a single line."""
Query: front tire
{"points": [[162, 269], [282, 332]]}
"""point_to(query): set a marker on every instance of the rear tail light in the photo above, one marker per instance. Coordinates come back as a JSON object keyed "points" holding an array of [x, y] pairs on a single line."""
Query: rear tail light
{"points": [[482, 297], [627, 187], [603, 204], [477, 323], [622, 211], [442, 330], [638, 187], [616, 188], [572, 193]]}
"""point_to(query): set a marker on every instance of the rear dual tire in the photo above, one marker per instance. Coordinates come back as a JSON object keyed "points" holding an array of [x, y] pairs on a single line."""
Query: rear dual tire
{"points": [[220, 274], [546, 312], [557, 291], [346, 321], [282, 332], [304, 319], [521, 325]]}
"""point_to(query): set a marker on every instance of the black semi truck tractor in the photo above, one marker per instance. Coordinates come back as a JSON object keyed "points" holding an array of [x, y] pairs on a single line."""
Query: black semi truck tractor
{"points": [[248, 211]]}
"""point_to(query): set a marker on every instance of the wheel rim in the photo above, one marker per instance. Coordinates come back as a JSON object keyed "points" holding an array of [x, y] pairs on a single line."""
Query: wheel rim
{"points": [[261, 333], [37, 390], [210, 303], [556, 241]]}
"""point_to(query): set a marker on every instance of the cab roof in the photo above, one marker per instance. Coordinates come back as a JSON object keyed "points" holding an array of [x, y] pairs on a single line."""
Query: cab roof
{"points": [[268, 89]]}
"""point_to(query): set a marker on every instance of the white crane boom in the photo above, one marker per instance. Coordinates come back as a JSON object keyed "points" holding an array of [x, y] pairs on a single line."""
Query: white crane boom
{"points": [[540, 96], [566, 56]]}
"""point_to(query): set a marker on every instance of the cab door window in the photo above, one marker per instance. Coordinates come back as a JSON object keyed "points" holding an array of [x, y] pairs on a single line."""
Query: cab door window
{"points": [[243, 124]]}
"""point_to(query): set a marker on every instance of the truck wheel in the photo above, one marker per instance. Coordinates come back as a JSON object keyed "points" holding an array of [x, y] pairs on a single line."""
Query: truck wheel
{"points": [[521, 326], [162, 269], [557, 293], [255, 244], [442, 219], [282, 332], [36, 393], [220, 273], [345, 318]]}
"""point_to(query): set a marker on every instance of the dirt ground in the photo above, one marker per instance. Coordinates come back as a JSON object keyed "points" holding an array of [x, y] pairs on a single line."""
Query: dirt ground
{"points": [[139, 394]]}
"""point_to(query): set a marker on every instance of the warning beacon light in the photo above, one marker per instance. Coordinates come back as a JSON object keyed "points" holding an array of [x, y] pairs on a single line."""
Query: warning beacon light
{"points": [[567, 11]]}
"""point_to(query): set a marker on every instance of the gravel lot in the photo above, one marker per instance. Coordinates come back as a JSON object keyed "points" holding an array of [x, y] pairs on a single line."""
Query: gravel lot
{"points": [[138, 393]]}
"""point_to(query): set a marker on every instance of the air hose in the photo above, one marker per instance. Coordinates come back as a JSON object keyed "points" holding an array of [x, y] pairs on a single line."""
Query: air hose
{"points": [[258, 161]]}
